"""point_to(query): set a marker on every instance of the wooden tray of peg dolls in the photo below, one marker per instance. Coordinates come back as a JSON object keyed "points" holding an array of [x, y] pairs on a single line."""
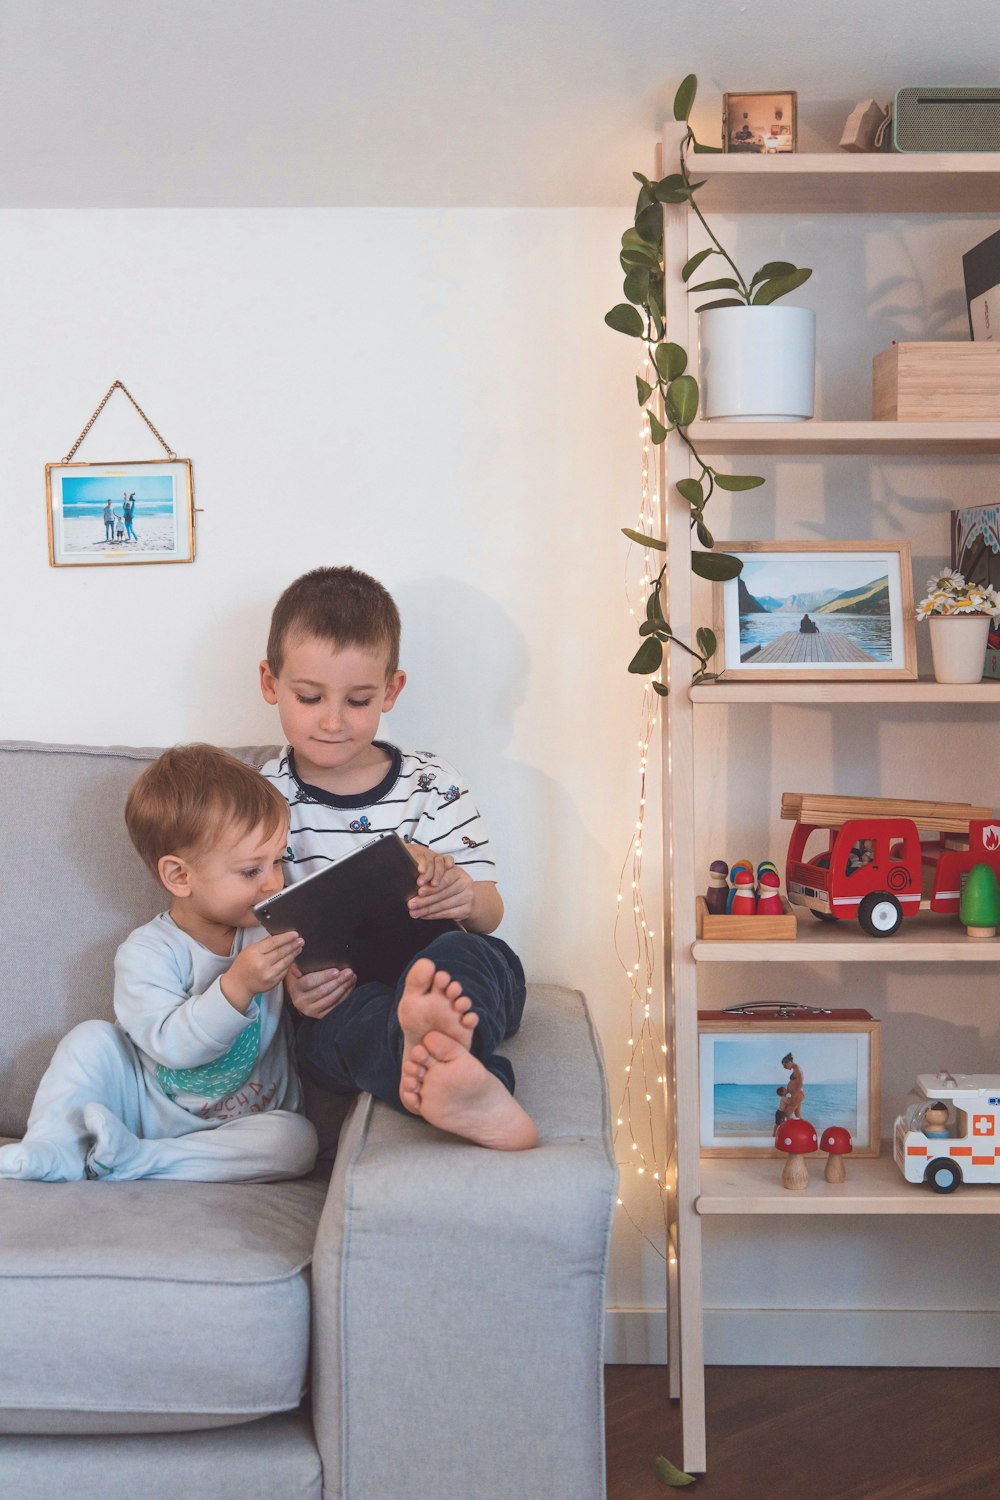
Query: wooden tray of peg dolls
{"points": [[716, 928]]}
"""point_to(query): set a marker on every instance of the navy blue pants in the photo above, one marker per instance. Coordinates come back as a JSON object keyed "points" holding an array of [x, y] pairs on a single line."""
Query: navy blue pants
{"points": [[358, 1047]]}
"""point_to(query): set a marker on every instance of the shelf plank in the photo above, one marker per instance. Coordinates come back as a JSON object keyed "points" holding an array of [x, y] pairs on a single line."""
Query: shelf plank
{"points": [[915, 439], [922, 939], [877, 1186], [922, 690], [839, 182]]}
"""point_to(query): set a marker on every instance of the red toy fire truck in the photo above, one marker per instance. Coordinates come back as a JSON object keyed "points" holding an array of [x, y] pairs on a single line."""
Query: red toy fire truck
{"points": [[875, 866]]}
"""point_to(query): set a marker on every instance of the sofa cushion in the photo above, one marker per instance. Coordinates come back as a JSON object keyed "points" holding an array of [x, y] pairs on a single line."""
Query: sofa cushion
{"points": [[153, 1306]]}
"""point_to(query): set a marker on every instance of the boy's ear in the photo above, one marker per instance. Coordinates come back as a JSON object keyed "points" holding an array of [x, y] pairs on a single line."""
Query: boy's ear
{"points": [[393, 688], [268, 683], [173, 873]]}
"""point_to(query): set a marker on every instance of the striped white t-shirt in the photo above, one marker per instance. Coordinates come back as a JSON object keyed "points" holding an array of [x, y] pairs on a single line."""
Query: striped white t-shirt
{"points": [[421, 797]]}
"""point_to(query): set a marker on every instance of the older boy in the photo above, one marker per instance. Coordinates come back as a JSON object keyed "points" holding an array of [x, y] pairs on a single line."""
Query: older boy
{"points": [[196, 1081], [428, 1043]]}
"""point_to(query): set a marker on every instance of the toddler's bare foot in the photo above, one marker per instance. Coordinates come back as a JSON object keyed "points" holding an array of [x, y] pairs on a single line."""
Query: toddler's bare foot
{"points": [[432, 1001], [456, 1093]]}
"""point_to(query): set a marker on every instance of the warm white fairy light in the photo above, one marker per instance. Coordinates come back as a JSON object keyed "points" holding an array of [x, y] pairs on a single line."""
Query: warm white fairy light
{"points": [[639, 1119]]}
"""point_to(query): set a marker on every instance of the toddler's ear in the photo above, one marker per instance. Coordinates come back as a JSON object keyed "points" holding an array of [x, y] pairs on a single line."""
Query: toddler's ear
{"points": [[268, 683], [173, 874]]}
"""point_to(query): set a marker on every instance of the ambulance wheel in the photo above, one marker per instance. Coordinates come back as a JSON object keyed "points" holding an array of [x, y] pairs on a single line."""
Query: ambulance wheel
{"points": [[880, 914], [943, 1175]]}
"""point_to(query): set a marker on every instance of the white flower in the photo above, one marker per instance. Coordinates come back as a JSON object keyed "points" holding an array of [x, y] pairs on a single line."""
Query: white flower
{"points": [[947, 579]]}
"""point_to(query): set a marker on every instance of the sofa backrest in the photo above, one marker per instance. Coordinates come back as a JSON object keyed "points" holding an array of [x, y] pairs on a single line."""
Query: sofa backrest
{"points": [[71, 889]]}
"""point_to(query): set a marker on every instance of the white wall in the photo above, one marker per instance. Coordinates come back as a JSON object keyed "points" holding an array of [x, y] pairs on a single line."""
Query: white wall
{"points": [[429, 395]]}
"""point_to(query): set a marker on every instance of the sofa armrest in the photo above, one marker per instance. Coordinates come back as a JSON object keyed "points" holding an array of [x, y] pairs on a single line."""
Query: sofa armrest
{"points": [[458, 1293]]}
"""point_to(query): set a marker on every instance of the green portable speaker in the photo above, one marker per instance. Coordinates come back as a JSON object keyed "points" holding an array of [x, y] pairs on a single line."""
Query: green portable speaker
{"points": [[946, 119]]}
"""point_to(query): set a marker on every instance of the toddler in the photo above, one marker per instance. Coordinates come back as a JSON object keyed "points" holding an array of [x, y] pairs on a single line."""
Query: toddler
{"points": [[195, 1080]]}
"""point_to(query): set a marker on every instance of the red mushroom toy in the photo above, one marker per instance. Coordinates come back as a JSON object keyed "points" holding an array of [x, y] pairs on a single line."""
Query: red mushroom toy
{"points": [[837, 1141], [796, 1138]]}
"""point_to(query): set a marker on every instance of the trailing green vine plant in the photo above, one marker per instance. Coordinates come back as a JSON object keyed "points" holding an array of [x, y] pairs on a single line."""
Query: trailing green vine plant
{"points": [[673, 390]]}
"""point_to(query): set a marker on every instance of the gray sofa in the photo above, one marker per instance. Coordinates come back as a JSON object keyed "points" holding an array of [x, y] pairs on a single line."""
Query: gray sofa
{"points": [[423, 1324]]}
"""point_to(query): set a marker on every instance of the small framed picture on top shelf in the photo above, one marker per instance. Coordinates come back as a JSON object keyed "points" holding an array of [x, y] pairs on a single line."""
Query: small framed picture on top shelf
{"points": [[762, 124], [760, 1068], [815, 611]]}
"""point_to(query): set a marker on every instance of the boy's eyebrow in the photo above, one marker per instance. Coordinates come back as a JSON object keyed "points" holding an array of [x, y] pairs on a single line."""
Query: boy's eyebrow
{"points": [[367, 687]]}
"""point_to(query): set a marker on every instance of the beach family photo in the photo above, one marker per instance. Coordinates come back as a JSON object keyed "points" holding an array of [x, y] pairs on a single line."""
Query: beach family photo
{"points": [[120, 513], [753, 1077], [837, 610]]}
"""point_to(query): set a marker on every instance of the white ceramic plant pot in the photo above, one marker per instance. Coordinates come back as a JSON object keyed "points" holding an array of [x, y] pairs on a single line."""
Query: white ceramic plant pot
{"points": [[958, 646], [758, 364]]}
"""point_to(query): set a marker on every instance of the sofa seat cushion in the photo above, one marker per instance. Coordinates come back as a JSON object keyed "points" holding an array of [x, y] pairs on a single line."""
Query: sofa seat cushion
{"points": [[153, 1306]]}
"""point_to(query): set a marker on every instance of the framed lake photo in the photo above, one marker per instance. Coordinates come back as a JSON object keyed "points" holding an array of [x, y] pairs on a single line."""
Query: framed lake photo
{"points": [[814, 611], [755, 1073], [118, 513]]}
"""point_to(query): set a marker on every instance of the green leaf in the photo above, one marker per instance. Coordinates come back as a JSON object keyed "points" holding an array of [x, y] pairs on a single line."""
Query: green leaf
{"points": [[625, 319], [653, 611], [644, 540], [657, 431], [705, 150], [722, 302], [724, 284], [643, 390], [705, 537], [692, 490], [648, 627], [649, 224], [738, 481], [773, 268], [683, 394], [641, 177], [717, 566], [645, 198], [671, 360], [669, 1473], [648, 658], [634, 244], [661, 688], [684, 97], [706, 642], [692, 265], [636, 285], [672, 189], [770, 291]]}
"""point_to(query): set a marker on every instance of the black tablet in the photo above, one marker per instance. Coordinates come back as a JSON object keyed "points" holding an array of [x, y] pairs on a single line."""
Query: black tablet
{"points": [[353, 914]]}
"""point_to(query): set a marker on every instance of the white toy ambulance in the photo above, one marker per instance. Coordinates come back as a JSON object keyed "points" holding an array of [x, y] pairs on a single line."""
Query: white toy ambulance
{"points": [[970, 1150]]}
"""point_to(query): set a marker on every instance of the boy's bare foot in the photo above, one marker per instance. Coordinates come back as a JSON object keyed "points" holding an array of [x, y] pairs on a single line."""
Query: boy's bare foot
{"points": [[432, 1001], [456, 1093]]}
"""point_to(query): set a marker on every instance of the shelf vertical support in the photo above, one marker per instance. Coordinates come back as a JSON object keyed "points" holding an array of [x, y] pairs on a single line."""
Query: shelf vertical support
{"points": [[685, 1279]]}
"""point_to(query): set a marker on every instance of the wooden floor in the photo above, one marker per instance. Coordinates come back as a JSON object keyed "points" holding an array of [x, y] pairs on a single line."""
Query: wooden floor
{"points": [[825, 645], [813, 1434]]}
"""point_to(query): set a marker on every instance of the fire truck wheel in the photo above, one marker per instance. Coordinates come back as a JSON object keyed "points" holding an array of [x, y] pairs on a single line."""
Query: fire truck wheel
{"points": [[880, 914], [943, 1175]]}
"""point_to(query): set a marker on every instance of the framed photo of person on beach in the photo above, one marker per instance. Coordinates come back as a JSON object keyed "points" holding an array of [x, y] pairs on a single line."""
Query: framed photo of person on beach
{"points": [[756, 1072], [117, 513], [817, 611]]}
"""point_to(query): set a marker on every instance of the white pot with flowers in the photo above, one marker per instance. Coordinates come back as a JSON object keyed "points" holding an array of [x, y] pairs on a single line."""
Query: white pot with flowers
{"points": [[959, 615]]}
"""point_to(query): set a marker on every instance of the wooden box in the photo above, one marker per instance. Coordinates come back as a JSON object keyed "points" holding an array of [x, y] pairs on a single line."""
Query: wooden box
{"points": [[937, 383], [716, 928]]}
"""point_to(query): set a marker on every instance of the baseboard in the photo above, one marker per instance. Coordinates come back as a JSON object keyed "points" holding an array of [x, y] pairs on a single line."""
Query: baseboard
{"points": [[796, 1336]]}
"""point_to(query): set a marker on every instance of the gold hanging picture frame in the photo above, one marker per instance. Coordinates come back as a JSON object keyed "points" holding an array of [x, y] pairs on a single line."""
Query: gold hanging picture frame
{"points": [[122, 512]]}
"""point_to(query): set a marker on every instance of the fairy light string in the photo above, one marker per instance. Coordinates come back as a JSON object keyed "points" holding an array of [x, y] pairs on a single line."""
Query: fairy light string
{"points": [[639, 1133]]}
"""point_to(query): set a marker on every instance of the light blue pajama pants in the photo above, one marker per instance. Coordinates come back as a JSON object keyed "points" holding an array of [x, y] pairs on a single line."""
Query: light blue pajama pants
{"points": [[97, 1062]]}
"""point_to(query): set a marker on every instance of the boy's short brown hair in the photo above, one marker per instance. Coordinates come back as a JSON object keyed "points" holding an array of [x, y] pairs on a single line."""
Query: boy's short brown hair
{"points": [[181, 803], [339, 605]]}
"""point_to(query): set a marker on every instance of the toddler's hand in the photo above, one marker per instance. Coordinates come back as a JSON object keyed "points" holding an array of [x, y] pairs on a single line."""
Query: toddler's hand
{"points": [[315, 995], [259, 968], [444, 889]]}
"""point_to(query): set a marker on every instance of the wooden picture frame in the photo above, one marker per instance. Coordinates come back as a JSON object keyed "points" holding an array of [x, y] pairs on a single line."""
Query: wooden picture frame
{"points": [[875, 640], [741, 1069], [764, 123], [117, 514]]}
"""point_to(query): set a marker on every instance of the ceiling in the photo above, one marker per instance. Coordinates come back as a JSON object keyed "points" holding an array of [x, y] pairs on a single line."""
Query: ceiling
{"points": [[120, 103]]}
